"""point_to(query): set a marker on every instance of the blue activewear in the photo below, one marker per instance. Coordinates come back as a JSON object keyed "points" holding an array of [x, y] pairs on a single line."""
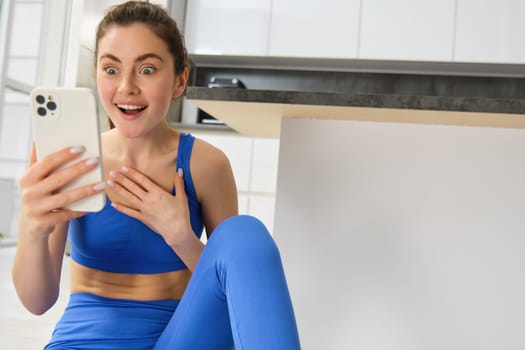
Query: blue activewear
{"points": [[111, 241], [237, 297]]}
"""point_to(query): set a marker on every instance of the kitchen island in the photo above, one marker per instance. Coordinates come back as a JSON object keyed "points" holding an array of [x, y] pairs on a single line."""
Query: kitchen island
{"points": [[259, 112], [399, 216]]}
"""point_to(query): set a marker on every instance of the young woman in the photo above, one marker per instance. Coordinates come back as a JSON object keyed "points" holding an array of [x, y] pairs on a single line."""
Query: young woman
{"points": [[140, 276]]}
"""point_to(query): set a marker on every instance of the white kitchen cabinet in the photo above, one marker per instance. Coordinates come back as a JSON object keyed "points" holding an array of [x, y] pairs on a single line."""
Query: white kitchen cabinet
{"points": [[254, 163], [262, 206], [317, 28], [228, 27], [238, 149], [407, 30], [264, 165], [490, 31], [242, 202]]}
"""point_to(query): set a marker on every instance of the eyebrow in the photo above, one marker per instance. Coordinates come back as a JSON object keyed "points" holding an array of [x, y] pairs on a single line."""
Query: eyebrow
{"points": [[138, 59]]}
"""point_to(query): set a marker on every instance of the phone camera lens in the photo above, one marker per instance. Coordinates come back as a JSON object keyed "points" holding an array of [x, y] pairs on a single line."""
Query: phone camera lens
{"points": [[41, 111], [40, 99], [51, 105]]}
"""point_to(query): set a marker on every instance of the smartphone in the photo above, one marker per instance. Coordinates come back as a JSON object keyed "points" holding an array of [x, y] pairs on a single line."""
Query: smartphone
{"points": [[65, 117]]}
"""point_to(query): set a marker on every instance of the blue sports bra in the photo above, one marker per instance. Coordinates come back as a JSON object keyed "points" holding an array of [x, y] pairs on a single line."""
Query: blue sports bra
{"points": [[111, 241]]}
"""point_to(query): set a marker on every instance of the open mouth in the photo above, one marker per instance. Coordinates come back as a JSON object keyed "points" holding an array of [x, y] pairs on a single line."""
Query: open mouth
{"points": [[130, 109]]}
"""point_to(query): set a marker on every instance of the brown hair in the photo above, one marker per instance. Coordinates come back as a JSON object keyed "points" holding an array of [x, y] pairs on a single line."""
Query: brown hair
{"points": [[157, 19]]}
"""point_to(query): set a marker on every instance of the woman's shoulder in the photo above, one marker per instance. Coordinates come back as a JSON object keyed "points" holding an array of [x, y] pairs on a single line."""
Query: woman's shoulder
{"points": [[207, 157], [213, 178]]}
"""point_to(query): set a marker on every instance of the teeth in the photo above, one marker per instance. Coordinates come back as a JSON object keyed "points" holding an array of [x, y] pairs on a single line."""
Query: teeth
{"points": [[130, 107]]}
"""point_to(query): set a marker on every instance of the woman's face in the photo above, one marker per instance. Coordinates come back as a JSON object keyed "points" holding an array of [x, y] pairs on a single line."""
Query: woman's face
{"points": [[135, 78]]}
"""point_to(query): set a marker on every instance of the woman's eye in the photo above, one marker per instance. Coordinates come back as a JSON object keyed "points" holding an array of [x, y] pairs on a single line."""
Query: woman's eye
{"points": [[147, 70], [111, 70]]}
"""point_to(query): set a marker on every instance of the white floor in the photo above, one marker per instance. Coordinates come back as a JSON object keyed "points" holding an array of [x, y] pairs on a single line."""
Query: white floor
{"points": [[19, 329]]}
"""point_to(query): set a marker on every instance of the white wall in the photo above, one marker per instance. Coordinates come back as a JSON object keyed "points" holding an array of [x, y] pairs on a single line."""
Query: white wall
{"points": [[402, 236], [254, 166]]}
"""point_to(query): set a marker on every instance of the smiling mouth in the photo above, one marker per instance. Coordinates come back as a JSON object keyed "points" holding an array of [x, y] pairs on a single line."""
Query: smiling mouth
{"points": [[130, 109]]}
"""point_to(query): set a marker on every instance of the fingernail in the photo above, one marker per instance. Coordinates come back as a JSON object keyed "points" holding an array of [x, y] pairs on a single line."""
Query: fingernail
{"points": [[180, 172], [113, 174], [111, 183], [99, 187], [124, 168], [76, 149], [91, 161]]}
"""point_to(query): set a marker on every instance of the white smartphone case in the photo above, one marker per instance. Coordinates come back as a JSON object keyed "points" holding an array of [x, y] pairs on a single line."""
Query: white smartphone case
{"points": [[65, 117]]}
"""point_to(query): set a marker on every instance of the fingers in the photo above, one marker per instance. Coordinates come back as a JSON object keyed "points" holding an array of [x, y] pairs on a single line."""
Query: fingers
{"points": [[41, 199], [133, 187], [63, 199], [42, 213], [44, 167], [139, 179], [65, 175], [130, 184], [139, 184], [32, 156], [137, 190], [45, 224], [134, 213], [178, 181], [39, 204], [131, 192], [40, 184], [59, 216]]}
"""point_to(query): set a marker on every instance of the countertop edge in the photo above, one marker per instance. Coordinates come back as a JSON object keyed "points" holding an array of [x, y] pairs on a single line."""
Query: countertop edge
{"points": [[412, 102]]}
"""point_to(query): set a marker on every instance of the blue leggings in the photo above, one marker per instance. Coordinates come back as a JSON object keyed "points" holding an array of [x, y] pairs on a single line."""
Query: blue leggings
{"points": [[237, 298]]}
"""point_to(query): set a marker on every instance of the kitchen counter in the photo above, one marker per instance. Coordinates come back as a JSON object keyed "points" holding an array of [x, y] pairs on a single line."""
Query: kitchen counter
{"points": [[397, 212], [259, 112]]}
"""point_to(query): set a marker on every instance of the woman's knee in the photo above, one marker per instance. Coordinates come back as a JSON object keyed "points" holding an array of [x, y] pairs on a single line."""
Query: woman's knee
{"points": [[243, 235], [240, 224]]}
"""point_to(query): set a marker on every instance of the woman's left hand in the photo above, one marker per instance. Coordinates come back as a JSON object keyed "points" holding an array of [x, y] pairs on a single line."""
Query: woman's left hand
{"points": [[164, 213]]}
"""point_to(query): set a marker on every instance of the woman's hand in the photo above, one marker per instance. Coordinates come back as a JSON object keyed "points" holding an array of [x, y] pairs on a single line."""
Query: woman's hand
{"points": [[42, 202], [164, 213]]}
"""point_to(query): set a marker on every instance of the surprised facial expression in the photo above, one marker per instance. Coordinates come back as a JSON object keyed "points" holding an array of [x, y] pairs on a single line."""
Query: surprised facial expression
{"points": [[135, 78]]}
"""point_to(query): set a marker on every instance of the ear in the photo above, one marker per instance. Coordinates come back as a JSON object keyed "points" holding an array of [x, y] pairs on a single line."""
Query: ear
{"points": [[180, 83]]}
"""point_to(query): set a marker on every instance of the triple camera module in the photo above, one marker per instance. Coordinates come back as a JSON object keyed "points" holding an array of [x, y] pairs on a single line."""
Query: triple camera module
{"points": [[46, 105]]}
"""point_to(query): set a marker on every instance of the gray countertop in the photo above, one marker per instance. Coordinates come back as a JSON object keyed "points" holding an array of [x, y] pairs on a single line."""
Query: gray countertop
{"points": [[451, 100], [412, 102]]}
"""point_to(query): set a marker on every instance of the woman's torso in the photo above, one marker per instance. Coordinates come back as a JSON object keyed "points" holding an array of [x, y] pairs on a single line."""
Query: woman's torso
{"points": [[137, 285], [161, 286]]}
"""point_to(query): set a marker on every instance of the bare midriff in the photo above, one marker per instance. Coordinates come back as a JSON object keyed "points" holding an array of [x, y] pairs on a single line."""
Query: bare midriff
{"points": [[159, 286]]}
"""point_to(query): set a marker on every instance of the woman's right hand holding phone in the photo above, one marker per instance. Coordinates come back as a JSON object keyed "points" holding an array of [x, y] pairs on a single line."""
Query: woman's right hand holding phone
{"points": [[42, 201], [43, 223]]}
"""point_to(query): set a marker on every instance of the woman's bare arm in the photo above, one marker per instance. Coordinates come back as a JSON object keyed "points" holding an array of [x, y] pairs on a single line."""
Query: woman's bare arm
{"points": [[43, 225], [214, 184], [37, 268]]}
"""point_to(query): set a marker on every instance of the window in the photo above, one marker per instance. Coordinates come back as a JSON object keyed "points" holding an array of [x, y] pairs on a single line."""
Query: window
{"points": [[24, 28]]}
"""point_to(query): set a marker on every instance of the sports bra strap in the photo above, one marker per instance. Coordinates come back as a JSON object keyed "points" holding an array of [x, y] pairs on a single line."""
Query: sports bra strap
{"points": [[183, 161]]}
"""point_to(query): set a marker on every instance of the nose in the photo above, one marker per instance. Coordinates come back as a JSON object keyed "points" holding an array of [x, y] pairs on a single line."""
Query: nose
{"points": [[128, 84]]}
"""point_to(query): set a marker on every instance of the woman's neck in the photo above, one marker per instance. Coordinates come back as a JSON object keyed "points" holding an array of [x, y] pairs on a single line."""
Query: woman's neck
{"points": [[142, 150]]}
